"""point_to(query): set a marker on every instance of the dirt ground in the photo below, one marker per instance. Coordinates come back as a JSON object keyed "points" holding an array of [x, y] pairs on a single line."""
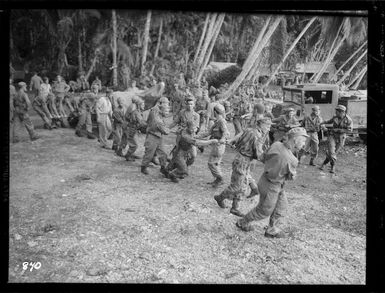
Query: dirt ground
{"points": [[89, 216]]}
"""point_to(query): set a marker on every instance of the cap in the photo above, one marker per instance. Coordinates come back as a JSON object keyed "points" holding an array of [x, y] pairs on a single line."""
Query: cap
{"points": [[315, 107], [219, 109], [297, 131], [341, 108], [21, 83], [265, 120], [289, 110]]}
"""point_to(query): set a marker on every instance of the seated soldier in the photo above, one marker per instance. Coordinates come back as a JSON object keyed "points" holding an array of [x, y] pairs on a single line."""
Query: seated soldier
{"points": [[177, 168]]}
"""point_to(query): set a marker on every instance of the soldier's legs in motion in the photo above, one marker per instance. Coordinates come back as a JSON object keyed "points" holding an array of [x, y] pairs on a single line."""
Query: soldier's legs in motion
{"points": [[192, 154], [215, 159], [102, 124], [29, 126], [268, 198], [132, 147], [237, 125], [68, 104], [42, 115], [150, 147], [123, 143], [117, 132], [162, 156], [278, 214]]}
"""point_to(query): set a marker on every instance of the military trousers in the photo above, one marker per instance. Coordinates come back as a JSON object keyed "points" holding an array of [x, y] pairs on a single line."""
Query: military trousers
{"points": [[129, 138], [237, 125], [154, 146], [239, 178], [312, 144], [42, 110], [335, 144], [117, 134], [84, 119], [104, 129], [178, 166], [272, 203], [22, 118], [51, 103], [215, 159]]}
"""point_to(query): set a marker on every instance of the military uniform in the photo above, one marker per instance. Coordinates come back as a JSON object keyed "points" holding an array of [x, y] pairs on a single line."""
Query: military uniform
{"points": [[312, 124], [86, 105], [283, 125], [39, 104], [280, 165], [34, 85], [249, 147], [118, 121], [337, 136], [21, 105], [134, 121], [103, 110], [237, 113], [61, 88], [220, 132], [156, 128]]}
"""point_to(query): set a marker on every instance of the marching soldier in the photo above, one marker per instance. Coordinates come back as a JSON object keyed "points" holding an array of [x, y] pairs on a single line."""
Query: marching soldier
{"points": [[312, 124], [220, 132], [280, 165], [156, 129], [22, 104], [342, 124], [249, 147], [134, 121]]}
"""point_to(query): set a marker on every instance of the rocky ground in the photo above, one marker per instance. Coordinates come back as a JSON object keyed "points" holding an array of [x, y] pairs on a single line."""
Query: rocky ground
{"points": [[87, 215]]}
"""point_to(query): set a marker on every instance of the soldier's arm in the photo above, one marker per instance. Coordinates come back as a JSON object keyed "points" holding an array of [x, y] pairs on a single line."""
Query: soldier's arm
{"points": [[27, 101], [140, 120], [291, 171], [225, 131], [161, 126]]}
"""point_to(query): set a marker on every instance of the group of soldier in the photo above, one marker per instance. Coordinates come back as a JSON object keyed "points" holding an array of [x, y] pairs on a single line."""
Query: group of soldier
{"points": [[200, 117]]}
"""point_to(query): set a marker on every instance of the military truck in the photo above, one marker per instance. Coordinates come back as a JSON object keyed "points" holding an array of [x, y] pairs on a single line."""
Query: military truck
{"points": [[303, 97]]}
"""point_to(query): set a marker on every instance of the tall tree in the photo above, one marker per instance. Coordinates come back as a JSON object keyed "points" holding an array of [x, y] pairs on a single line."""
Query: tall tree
{"points": [[347, 73], [202, 37], [157, 45], [145, 41], [114, 49]]}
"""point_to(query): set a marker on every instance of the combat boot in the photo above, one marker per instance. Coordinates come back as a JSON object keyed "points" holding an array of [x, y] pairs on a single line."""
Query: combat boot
{"points": [[244, 225], [114, 147], [135, 156], [90, 135], [129, 158], [332, 169], [79, 133], [173, 178], [144, 170], [220, 201], [164, 171], [35, 137], [280, 234], [119, 152], [311, 163], [323, 164], [234, 209]]}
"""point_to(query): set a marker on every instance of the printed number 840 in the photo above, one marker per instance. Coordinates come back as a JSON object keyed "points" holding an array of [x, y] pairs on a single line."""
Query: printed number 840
{"points": [[33, 265]]}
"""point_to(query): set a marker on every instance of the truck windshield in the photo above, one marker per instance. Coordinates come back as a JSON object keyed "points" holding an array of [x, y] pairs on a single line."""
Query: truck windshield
{"points": [[320, 97], [292, 96]]}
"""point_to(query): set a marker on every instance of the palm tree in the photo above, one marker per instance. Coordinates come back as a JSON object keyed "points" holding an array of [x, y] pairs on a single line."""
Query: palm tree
{"points": [[114, 49], [347, 73], [145, 41]]}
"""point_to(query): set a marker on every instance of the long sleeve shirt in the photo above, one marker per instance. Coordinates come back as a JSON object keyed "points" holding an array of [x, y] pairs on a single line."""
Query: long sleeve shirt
{"points": [[280, 163], [21, 102], [118, 116], [250, 143], [135, 120], [341, 125], [183, 117], [35, 83], [156, 124], [284, 122], [61, 87], [103, 106], [218, 131], [312, 123], [45, 89]]}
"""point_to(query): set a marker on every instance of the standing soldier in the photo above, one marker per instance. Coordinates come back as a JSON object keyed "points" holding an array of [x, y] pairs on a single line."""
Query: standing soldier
{"points": [[35, 83], [220, 132], [342, 124], [103, 110], [118, 121], [134, 123], [284, 124], [187, 114], [156, 129], [86, 104], [60, 89], [249, 147], [280, 165], [22, 104], [98, 82], [312, 124]]}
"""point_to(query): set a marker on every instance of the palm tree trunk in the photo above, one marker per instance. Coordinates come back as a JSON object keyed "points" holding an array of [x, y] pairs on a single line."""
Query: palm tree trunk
{"points": [[114, 49], [202, 37], [346, 62], [145, 41], [290, 50], [352, 81], [217, 29], [92, 67], [253, 57], [351, 68], [157, 46], [328, 59], [357, 83], [80, 57], [207, 40]]}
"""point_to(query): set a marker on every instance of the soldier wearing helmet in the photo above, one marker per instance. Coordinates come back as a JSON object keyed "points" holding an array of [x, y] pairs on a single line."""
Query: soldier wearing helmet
{"points": [[220, 132], [312, 124], [341, 124], [280, 165], [134, 122], [21, 105]]}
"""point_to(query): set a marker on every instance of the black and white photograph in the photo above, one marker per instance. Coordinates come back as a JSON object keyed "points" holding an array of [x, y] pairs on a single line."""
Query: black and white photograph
{"points": [[187, 147]]}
